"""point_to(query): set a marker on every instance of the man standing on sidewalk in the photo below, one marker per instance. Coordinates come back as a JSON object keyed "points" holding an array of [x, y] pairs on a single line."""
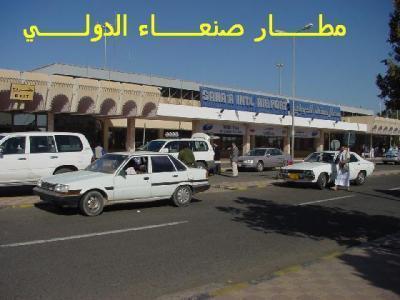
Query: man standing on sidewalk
{"points": [[234, 156]]}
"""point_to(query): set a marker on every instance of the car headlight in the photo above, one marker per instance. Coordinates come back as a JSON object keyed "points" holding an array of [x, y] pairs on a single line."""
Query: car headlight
{"points": [[39, 183], [61, 188], [308, 173], [249, 161]]}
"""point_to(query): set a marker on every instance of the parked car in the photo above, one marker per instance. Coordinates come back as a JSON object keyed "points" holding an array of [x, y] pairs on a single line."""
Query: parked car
{"points": [[27, 156], [319, 168], [202, 149], [261, 158], [124, 177], [391, 157]]}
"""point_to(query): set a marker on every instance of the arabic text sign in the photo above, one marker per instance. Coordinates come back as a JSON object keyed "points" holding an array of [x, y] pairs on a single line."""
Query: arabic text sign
{"points": [[317, 111], [22, 92], [239, 101]]}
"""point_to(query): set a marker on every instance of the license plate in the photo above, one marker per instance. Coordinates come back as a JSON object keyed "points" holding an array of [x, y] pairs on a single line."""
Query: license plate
{"points": [[293, 176]]}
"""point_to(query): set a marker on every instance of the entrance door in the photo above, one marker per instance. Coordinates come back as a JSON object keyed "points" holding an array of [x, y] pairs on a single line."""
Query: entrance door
{"points": [[14, 161]]}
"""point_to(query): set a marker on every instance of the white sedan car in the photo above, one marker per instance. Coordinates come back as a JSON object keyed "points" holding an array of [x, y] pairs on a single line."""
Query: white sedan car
{"points": [[124, 177], [319, 168]]}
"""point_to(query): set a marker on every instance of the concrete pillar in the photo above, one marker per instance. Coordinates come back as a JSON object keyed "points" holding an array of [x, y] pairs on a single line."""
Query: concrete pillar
{"points": [[252, 141], [195, 126], [160, 133], [130, 135], [319, 142], [50, 121], [286, 143], [246, 140], [106, 126]]}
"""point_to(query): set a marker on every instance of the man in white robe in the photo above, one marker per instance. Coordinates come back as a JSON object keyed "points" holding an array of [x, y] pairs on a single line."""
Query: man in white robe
{"points": [[343, 172]]}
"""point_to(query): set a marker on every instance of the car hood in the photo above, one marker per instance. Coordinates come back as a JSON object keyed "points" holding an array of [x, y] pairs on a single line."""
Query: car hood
{"points": [[75, 177], [307, 166]]}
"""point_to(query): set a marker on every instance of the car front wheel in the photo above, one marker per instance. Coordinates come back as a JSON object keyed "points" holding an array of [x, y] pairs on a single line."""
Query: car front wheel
{"points": [[182, 196], [92, 204], [322, 181]]}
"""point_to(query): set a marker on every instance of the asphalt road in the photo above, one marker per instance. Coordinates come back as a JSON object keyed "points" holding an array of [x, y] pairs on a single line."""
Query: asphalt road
{"points": [[143, 251]]}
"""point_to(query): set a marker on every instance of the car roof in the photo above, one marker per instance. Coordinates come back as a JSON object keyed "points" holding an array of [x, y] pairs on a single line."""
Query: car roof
{"points": [[183, 139], [27, 133]]}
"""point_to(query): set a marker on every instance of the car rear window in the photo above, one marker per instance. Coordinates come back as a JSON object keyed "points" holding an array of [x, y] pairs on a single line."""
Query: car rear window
{"points": [[68, 143], [179, 166]]}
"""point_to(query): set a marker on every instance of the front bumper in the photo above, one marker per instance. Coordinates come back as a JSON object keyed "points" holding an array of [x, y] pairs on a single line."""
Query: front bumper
{"points": [[297, 177], [246, 165], [57, 198]]}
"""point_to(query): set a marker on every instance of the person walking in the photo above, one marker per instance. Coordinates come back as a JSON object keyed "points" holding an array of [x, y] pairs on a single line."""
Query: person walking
{"points": [[187, 157], [234, 156], [343, 173]]}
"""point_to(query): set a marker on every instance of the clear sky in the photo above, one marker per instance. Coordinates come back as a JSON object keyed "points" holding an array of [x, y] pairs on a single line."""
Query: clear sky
{"points": [[337, 70]]}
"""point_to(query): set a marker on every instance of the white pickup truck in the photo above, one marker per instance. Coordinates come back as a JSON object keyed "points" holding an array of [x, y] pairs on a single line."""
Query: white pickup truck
{"points": [[124, 177], [319, 168]]}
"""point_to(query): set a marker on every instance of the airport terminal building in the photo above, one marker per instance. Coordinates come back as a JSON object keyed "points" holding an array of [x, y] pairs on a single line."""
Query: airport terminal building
{"points": [[124, 110]]}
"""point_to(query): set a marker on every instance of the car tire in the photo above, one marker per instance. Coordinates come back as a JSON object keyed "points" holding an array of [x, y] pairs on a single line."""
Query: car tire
{"points": [[201, 165], [62, 170], [260, 166], [322, 181], [182, 196], [91, 204], [360, 180]]}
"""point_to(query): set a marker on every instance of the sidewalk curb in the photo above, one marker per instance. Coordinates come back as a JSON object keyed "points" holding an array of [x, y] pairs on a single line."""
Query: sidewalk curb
{"points": [[226, 289]]}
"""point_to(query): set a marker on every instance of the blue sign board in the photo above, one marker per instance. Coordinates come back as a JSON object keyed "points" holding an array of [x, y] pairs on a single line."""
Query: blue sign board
{"points": [[225, 99], [316, 111]]}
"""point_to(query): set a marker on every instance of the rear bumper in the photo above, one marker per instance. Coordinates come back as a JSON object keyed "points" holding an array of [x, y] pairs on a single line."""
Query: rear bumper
{"points": [[200, 188], [57, 198]]}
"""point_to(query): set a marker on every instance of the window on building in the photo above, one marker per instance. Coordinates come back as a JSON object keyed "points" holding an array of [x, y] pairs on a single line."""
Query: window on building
{"points": [[162, 164], [42, 144], [14, 145], [68, 143]]}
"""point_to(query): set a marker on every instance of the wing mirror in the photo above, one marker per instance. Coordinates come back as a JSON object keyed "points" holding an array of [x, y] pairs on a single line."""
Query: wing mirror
{"points": [[122, 173]]}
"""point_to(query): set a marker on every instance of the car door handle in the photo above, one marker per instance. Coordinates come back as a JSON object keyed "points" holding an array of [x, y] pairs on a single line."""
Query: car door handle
{"points": [[146, 178], [53, 157], [22, 158], [175, 175]]}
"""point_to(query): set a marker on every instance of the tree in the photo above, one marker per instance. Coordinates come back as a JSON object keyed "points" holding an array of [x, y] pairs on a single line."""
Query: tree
{"points": [[389, 84]]}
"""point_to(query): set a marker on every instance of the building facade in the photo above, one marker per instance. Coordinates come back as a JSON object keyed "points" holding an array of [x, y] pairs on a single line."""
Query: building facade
{"points": [[124, 110]]}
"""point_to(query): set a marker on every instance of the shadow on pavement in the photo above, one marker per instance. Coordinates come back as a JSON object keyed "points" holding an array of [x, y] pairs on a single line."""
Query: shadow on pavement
{"points": [[393, 193], [25, 190], [69, 211], [347, 228], [379, 265]]}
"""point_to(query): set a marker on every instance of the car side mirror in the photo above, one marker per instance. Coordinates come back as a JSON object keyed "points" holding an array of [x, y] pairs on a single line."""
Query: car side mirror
{"points": [[122, 173]]}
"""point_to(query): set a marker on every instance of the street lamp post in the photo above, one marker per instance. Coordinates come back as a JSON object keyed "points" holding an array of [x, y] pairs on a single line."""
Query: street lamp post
{"points": [[280, 67], [304, 28]]}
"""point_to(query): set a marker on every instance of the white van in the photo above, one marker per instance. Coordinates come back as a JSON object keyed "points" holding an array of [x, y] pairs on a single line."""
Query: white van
{"points": [[25, 157], [201, 147]]}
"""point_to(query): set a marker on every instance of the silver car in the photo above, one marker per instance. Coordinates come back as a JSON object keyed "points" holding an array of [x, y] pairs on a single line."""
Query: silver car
{"points": [[391, 157], [260, 158]]}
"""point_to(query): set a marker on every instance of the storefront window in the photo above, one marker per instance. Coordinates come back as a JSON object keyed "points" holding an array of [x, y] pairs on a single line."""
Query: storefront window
{"points": [[269, 142]]}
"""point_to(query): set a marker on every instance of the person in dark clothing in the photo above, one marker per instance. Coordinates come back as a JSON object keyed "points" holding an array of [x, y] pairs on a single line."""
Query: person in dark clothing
{"points": [[217, 160]]}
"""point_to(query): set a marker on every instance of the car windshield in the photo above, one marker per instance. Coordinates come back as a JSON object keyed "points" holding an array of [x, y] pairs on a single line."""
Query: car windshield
{"points": [[154, 146], [325, 157], [109, 163], [256, 152]]}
